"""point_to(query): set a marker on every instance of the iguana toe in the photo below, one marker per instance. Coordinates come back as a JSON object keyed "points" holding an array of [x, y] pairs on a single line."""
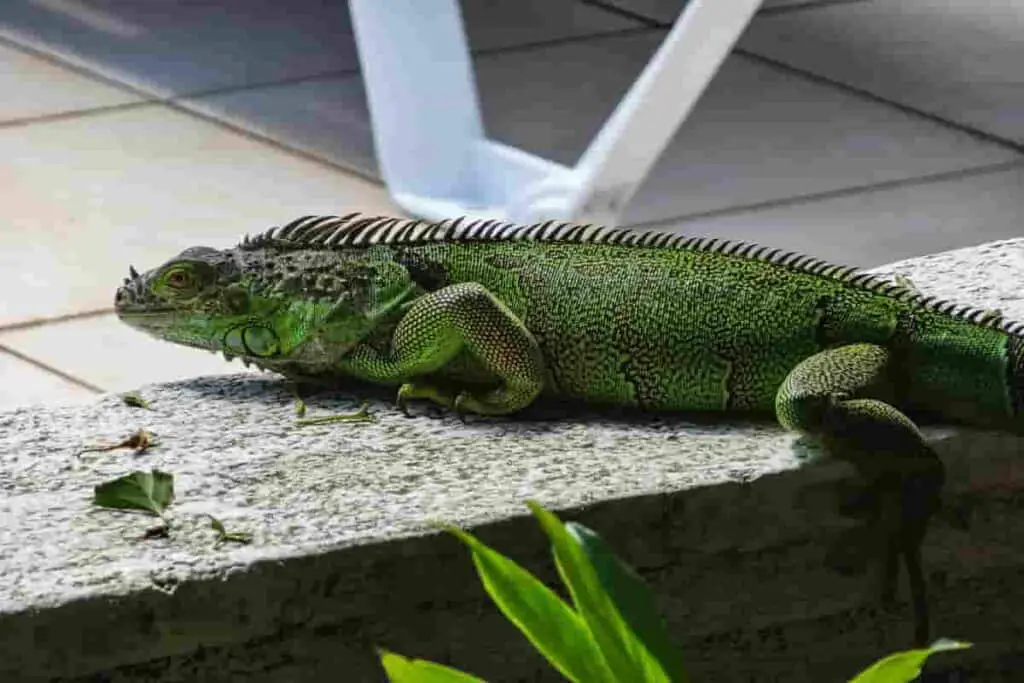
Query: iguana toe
{"points": [[412, 390]]}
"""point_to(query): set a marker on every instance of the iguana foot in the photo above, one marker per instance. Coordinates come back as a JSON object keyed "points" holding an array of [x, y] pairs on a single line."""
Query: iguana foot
{"points": [[461, 320], [492, 402], [898, 514], [488, 402], [843, 397], [411, 391], [897, 517], [899, 509], [906, 509]]}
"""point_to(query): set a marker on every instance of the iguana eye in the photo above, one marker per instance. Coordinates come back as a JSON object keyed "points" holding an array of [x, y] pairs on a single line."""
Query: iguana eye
{"points": [[183, 279], [179, 278]]}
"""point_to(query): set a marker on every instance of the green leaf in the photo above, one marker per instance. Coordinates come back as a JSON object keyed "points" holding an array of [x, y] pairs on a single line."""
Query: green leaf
{"points": [[151, 491], [548, 623], [903, 667], [405, 670], [633, 599], [627, 657], [133, 400], [225, 536], [217, 525]]}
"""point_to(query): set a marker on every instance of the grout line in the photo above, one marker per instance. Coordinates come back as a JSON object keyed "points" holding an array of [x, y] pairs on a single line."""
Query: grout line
{"points": [[809, 5], [39, 322], [568, 40], [75, 114], [833, 194], [612, 8], [53, 371], [653, 22], [977, 133], [272, 142], [39, 50]]}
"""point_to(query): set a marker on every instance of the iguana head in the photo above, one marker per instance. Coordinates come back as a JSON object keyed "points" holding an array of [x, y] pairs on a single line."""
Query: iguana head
{"points": [[199, 298], [265, 305]]}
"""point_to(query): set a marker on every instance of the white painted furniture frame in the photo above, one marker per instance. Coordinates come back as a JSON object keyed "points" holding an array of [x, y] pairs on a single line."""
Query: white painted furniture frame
{"points": [[433, 152]]}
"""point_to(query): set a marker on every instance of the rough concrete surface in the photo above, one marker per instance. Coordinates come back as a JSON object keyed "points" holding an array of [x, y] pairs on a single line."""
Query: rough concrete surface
{"points": [[730, 522]]}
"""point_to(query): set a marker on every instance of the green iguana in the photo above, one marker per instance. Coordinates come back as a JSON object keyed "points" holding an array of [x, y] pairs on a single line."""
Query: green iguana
{"points": [[484, 317]]}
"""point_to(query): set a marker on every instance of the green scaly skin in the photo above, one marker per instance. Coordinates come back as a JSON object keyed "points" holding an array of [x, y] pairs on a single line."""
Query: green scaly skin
{"points": [[484, 318]]}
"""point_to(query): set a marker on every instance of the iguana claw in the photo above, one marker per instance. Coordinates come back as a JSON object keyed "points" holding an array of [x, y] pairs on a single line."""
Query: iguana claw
{"points": [[459, 406]]}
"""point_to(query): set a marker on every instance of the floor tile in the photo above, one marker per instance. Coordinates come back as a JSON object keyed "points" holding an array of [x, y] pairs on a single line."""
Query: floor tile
{"points": [[82, 199], [34, 87], [759, 134], [24, 385], [180, 46], [876, 227], [959, 60], [326, 117], [107, 353]]}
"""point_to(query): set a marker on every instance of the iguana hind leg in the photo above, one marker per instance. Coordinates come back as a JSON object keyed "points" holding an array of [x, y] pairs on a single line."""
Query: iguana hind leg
{"points": [[440, 325], [842, 397]]}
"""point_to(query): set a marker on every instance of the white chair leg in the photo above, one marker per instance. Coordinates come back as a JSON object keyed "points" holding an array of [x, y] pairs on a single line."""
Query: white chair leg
{"points": [[429, 138], [430, 142], [644, 122]]}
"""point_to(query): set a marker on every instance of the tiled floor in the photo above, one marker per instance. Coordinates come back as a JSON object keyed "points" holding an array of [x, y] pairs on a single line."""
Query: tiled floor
{"points": [[858, 131]]}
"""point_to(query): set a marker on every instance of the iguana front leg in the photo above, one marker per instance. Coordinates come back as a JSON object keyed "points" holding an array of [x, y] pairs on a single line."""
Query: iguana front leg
{"points": [[843, 398], [436, 328]]}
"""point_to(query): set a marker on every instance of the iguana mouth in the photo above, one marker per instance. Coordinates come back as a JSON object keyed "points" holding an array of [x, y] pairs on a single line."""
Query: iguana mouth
{"points": [[148, 315], [143, 312]]}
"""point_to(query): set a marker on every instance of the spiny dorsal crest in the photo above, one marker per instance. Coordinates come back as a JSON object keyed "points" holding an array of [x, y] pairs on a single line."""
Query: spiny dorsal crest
{"points": [[357, 230]]}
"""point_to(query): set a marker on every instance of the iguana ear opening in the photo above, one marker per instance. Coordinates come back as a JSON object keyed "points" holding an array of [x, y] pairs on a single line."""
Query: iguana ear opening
{"points": [[252, 340], [236, 299]]}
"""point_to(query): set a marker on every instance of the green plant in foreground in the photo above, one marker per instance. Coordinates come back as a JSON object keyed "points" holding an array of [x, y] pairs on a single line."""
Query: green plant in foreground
{"points": [[612, 633]]}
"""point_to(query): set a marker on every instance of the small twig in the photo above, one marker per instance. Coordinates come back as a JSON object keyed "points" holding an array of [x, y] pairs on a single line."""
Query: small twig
{"points": [[139, 442], [361, 415]]}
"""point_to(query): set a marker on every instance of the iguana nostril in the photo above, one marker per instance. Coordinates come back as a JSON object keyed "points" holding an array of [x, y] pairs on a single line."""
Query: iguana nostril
{"points": [[123, 296]]}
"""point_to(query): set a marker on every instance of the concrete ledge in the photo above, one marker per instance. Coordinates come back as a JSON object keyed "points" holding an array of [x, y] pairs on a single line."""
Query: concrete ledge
{"points": [[729, 521]]}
